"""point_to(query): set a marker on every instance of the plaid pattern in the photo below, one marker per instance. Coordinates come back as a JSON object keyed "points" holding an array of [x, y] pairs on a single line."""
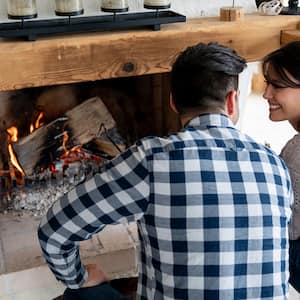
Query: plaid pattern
{"points": [[212, 208]]}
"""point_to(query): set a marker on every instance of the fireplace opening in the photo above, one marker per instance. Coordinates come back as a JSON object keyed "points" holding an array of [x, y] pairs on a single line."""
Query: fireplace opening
{"points": [[53, 138]]}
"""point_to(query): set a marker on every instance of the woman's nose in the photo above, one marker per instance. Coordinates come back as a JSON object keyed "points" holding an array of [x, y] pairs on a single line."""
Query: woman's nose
{"points": [[267, 94]]}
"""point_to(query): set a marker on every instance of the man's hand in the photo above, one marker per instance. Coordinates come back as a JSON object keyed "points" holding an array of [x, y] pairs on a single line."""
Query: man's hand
{"points": [[95, 275]]}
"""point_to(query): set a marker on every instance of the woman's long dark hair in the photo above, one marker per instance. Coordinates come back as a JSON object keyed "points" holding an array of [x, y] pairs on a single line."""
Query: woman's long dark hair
{"points": [[282, 60]]}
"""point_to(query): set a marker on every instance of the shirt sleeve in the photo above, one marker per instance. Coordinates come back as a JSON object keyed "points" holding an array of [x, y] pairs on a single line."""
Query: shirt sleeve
{"points": [[119, 193]]}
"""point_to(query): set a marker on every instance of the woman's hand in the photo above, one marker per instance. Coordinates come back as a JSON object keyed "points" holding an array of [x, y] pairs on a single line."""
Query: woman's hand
{"points": [[95, 275]]}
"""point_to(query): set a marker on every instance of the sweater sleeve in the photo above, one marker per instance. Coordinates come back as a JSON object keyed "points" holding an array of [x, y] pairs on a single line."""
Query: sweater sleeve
{"points": [[119, 193]]}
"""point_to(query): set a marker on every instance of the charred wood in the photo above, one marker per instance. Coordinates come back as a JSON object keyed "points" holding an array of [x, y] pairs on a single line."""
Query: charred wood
{"points": [[81, 123]]}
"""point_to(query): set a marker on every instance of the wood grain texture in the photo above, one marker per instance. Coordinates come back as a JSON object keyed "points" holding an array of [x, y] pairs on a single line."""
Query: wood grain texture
{"points": [[290, 36], [231, 13], [95, 56]]}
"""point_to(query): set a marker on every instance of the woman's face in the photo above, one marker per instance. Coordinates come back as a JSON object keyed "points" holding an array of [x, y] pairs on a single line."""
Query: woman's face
{"points": [[284, 102]]}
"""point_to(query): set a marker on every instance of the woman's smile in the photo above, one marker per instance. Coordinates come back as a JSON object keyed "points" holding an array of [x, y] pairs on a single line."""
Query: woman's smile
{"points": [[274, 106]]}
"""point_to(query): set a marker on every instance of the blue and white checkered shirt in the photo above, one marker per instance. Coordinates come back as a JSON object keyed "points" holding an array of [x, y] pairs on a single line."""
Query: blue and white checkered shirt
{"points": [[212, 208]]}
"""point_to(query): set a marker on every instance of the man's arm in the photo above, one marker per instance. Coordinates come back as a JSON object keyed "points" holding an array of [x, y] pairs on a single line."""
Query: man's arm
{"points": [[119, 193]]}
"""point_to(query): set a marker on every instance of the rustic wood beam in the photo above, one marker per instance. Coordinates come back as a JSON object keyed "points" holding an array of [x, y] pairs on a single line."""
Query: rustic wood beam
{"points": [[95, 56], [290, 35]]}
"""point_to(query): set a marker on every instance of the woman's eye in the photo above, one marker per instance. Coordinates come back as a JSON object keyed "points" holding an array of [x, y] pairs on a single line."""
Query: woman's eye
{"points": [[275, 85]]}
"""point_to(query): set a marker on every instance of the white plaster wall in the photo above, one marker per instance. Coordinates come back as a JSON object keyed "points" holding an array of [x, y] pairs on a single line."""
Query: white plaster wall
{"points": [[190, 8]]}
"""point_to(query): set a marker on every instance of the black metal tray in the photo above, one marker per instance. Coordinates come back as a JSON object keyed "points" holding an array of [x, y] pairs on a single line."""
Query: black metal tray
{"points": [[29, 30]]}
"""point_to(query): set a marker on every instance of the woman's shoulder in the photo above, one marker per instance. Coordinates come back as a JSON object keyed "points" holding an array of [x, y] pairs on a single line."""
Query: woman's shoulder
{"points": [[291, 151]]}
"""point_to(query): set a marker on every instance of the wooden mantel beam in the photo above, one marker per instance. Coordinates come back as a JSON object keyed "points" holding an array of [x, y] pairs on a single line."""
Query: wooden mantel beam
{"points": [[94, 56], [290, 35]]}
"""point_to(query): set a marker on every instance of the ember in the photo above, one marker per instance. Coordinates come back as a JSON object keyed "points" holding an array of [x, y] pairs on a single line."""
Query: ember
{"points": [[41, 190]]}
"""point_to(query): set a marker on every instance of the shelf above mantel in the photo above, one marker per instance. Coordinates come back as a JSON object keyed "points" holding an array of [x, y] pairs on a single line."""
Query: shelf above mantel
{"points": [[95, 56]]}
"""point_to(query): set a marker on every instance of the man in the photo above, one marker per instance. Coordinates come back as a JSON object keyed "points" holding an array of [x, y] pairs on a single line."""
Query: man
{"points": [[212, 206]]}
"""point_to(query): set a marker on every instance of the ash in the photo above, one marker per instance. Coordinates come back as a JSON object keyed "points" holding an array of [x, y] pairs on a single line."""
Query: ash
{"points": [[40, 191]]}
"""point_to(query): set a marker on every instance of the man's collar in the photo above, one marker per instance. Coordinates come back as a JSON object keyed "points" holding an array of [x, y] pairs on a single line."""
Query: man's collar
{"points": [[214, 119]]}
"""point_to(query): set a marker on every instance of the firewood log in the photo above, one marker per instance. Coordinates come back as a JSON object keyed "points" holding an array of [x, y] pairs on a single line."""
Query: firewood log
{"points": [[82, 124]]}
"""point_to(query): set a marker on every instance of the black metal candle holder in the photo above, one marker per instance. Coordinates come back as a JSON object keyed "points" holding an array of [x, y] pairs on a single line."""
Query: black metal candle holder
{"points": [[115, 11], [30, 30], [157, 8], [25, 17], [69, 14]]}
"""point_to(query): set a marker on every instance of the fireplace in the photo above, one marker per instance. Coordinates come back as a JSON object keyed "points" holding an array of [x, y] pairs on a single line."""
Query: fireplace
{"points": [[137, 106], [58, 136]]}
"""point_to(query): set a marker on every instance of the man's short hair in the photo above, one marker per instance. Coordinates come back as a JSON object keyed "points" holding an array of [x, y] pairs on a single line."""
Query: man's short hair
{"points": [[203, 75]]}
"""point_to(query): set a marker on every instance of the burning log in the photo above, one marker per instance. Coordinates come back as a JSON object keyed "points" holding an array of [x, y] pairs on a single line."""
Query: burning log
{"points": [[109, 148], [85, 120], [82, 124]]}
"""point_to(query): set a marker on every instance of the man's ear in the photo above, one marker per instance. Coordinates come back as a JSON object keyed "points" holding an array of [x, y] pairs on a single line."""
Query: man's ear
{"points": [[231, 106], [172, 104]]}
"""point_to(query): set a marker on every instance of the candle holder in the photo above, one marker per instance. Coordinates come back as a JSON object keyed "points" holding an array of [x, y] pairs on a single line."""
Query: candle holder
{"points": [[68, 8], [114, 6], [21, 10], [292, 9], [34, 28], [157, 5]]}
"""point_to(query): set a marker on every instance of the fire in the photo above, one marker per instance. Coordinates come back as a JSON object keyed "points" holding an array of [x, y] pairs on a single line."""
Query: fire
{"points": [[70, 155], [13, 137], [75, 153], [65, 139], [37, 123], [64, 145], [14, 160], [13, 133]]}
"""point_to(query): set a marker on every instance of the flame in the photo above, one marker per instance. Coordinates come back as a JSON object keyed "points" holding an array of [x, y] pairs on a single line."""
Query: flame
{"points": [[64, 145], [37, 123], [13, 137], [65, 139], [72, 155], [13, 133], [14, 160]]}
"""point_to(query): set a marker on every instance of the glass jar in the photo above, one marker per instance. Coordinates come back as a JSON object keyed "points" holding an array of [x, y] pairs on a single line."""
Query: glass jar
{"points": [[157, 4], [114, 5], [21, 9], [68, 7]]}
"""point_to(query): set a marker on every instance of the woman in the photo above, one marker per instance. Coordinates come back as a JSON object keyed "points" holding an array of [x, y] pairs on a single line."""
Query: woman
{"points": [[281, 70]]}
